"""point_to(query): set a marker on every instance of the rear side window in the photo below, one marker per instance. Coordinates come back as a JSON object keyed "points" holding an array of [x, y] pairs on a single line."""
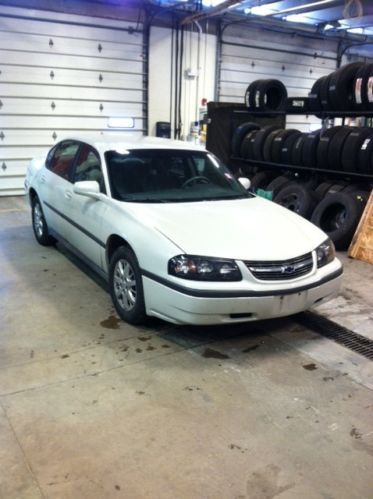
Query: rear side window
{"points": [[62, 159]]}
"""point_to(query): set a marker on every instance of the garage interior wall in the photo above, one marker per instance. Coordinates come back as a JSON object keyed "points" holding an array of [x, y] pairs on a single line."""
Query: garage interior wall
{"points": [[251, 54], [61, 75], [197, 76]]}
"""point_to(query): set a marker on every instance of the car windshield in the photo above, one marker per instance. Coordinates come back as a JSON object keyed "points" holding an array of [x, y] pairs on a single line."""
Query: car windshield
{"points": [[169, 175]]}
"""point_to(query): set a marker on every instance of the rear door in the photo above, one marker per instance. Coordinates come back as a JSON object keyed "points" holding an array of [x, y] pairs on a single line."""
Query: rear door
{"points": [[55, 185]]}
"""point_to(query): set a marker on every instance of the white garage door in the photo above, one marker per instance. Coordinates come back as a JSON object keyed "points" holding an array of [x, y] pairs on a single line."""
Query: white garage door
{"points": [[64, 75], [251, 54]]}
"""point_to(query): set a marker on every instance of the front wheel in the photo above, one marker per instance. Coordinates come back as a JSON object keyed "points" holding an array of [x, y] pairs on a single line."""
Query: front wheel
{"points": [[126, 288], [39, 224]]}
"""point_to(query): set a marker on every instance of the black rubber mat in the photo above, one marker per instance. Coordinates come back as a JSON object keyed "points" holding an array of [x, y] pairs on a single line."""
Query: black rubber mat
{"points": [[339, 334]]}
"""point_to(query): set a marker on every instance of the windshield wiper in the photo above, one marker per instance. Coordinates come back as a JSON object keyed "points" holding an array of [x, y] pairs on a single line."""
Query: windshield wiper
{"points": [[145, 200]]}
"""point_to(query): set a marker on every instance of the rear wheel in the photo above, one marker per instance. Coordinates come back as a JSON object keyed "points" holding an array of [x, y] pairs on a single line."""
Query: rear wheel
{"points": [[39, 224], [126, 287]]}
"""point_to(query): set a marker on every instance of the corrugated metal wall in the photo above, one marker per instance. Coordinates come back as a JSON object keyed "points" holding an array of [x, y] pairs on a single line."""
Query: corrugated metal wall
{"points": [[251, 54], [63, 75]]}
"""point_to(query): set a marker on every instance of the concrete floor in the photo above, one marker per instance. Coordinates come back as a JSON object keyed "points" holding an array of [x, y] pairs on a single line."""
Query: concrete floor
{"points": [[93, 408]]}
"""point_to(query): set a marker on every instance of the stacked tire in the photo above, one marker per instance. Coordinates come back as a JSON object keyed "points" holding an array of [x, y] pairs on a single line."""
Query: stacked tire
{"points": [[349, 88], [266, 95], [341, 148]]}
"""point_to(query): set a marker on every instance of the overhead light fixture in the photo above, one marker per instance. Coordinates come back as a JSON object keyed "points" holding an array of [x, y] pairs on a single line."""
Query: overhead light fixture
{"points": [[305, 6], [358, 31], [298, 18], [121, 123], [270, 9], [262, 10], [211, 3]]}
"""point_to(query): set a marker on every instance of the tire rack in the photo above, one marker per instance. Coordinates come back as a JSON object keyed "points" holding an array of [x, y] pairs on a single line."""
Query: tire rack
{"points": [[323, 115]]}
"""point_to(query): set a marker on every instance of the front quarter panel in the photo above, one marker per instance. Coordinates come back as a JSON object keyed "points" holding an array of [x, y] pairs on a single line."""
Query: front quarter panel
{"points": [[152, 249]]}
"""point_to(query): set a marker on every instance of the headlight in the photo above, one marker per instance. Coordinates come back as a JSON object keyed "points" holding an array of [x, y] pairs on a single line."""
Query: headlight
{"points": [[199, 268], [325, 253]]}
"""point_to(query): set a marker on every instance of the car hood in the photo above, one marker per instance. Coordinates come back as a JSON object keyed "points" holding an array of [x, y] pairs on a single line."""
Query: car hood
{"points": [[244, 229]]}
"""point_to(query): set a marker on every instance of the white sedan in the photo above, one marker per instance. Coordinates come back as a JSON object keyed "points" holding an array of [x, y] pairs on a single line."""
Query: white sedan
{"points": [[176, 235]]}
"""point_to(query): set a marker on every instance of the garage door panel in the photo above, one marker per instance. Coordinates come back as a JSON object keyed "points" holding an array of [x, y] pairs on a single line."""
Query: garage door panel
{"points": [[69, 77], [65, 92], [67, 25], [31, 59], [259, 40], [278, 71], [59, 45], [52, 122], [247, 57], [66, 108]]}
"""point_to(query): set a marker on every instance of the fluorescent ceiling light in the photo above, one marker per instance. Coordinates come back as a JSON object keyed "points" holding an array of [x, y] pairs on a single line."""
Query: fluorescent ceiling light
{"points": [[359, 31], [263, 10], [121, 123], [299, 18], [212, 3], [270, 9], [305, 6]]}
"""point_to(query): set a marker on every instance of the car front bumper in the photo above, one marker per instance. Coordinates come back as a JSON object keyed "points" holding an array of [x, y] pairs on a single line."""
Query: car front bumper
{"points": [[174, 305]]}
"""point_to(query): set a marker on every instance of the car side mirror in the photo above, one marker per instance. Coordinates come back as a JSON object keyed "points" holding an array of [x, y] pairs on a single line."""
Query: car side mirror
{"points": [[89, 188], [245, 182]]}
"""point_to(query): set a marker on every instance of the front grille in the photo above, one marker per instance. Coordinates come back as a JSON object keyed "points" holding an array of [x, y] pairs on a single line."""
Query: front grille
{"points": [[281, 270]]}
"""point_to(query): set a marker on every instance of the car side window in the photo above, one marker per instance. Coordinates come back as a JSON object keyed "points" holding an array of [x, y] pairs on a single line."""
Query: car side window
{"points": [[88, 166], [62, 161]]}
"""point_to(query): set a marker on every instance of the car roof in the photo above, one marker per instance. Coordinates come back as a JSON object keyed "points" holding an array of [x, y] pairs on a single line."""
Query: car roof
{"points": [[122, 142]]}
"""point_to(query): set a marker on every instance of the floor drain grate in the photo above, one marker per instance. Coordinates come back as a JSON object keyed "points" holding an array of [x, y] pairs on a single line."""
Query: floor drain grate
{"points": [[340, 334]]}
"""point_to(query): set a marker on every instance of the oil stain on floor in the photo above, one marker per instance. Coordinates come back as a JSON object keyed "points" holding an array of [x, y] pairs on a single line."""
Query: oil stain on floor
{"points": [[112, 322]]}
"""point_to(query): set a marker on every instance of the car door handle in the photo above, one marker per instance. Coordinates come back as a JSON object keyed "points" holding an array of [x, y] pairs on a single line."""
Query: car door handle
{"points": [[68, 195], [42, 179]]}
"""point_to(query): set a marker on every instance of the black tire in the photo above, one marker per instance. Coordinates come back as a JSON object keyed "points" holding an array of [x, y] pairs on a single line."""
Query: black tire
{"points": [[341, 87], [128, 300], [39, 224], [239, 135], [267, 147], [271, 95], [368, 89], [261, 179], [260, 139], [277, 184], [297, 198], [309, 150], [278, 143], [365, 156], [296, 152], [338, 187], [355, 188], [360, 86], [287, 148], [322, 190], [323, 146], [246, 145], [351, 149], [249, 143], [338, 215], [324, 93], [314, 99], [336, 147], [250, 95]]}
